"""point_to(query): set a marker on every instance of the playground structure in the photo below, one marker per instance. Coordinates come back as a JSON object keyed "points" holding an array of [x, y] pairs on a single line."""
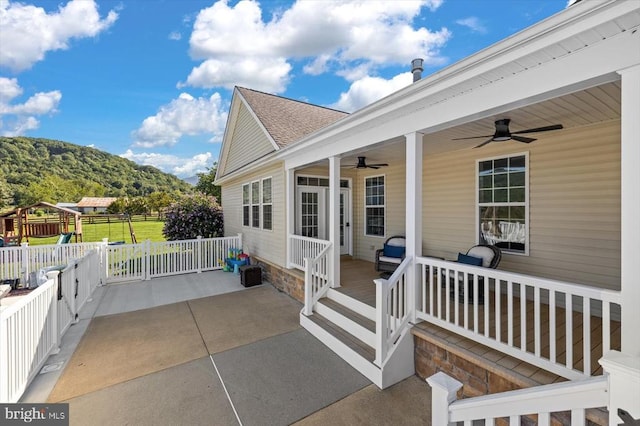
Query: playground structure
{"points": [[22, 223]]}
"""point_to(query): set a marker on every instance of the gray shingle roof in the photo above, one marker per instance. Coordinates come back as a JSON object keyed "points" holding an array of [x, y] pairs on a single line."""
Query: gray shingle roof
{"points": [[288, 120]]}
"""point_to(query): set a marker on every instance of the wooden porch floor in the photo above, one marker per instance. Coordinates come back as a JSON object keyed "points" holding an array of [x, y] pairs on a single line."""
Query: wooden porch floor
{"points": [[357, 281]]}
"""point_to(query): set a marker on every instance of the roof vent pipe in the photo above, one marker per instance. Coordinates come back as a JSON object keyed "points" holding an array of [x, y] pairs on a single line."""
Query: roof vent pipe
{"points": [[416, 69]]}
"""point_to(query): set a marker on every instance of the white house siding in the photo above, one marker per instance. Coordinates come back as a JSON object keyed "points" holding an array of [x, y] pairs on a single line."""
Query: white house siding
{"points": [[248, 143], [268, 245], [574, 196]]}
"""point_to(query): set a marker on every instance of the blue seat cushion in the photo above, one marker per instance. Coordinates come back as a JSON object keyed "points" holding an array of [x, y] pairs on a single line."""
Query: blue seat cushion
{"points": [[393, 251], [469, 260]]}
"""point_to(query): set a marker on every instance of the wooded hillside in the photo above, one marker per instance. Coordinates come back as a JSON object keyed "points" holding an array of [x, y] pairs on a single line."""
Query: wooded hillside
{"points": [[35, 169]]}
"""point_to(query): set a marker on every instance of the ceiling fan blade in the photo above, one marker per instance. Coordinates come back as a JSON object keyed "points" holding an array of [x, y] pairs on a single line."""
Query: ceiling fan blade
{"points": [[371, 166], [378, 165], [539, 129], [484, 143], [522, 139], [472, 137]]}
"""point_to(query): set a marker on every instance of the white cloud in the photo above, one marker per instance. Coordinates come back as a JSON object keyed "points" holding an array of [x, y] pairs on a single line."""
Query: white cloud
{"points": [[330, 35], [18, 118], [370, 89], [175, 35], [473, 23], [29, 32], [180, 166], [185, 115]]}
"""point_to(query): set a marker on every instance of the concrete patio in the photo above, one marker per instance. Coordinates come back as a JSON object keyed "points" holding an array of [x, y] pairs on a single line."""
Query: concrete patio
{"points": [[202, 349]]}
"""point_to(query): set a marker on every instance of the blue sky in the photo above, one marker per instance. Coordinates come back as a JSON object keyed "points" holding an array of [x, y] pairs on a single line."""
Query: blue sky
{"points": [[151, 80]]}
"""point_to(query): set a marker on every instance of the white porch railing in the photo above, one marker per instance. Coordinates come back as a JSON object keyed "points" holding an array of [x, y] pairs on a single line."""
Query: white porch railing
{"points": [[537, 403], [393, 310], [318, 277], [31, 328], [302, 248], [519, 315]]}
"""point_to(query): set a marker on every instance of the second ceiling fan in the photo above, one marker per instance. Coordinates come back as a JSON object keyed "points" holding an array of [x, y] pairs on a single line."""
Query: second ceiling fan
{"points": [[362, 164], [502, 133]]}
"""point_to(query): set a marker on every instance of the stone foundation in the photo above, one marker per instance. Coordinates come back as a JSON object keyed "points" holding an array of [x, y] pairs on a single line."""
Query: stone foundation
{"points": [[286, 280], [480, 376]]}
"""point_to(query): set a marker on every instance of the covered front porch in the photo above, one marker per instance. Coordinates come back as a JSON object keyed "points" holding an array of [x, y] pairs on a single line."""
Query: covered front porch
{"points": [[452, 171]]}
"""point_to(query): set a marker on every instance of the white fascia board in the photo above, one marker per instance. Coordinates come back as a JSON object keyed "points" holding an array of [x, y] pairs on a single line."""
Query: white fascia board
{"points": [[570, 22], [566, 75], [265, 161], [255, 117], [228, 134]]}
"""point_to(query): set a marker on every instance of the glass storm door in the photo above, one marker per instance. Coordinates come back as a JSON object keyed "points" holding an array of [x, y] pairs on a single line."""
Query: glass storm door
{"points": [[311, 217]]}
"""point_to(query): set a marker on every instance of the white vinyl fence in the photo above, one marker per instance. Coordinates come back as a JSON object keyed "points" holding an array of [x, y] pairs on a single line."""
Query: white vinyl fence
{"points": [[130, 262], [31, 327]]}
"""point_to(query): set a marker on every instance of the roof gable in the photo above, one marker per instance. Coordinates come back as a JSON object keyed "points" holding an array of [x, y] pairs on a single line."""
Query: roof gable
{"points": [[260, 124]]}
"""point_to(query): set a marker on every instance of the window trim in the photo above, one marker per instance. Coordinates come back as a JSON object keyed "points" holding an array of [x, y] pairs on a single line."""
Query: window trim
{"points": [[525, 204], [383, 206]]}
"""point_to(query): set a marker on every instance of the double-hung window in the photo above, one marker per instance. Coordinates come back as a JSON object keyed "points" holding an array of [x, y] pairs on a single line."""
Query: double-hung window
{"points": [[257, 204], [374, 206], [267, 204], [503, 196], [246, 204]]}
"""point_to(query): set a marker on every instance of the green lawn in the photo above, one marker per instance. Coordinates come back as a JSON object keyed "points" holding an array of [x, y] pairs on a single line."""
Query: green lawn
{"points": [[144, 230]]}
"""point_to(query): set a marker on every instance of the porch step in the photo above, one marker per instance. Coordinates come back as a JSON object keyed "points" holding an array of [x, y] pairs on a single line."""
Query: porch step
{"points": [[358, 326], [357, 354], [354, 304]]}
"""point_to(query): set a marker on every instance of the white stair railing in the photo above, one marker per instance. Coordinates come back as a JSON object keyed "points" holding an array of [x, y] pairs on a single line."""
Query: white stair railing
{"points": [[530, 318], [318, 277], [393, 310]]}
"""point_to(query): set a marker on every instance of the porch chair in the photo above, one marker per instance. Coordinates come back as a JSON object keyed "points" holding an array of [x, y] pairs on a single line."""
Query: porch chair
{"points": [[485, 255], [391, 255]]}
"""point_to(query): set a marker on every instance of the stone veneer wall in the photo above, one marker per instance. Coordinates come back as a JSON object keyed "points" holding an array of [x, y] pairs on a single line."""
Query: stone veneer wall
{"points": [[285, 280], [477, 380]]}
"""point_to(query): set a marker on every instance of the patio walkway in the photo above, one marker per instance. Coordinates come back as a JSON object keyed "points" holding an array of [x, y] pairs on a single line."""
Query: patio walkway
{"points": [[233, 358]]}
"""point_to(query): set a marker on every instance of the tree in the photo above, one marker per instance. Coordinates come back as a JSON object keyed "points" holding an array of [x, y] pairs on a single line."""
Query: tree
{"points": [[158, 201], [205, 183], [192, 216]]}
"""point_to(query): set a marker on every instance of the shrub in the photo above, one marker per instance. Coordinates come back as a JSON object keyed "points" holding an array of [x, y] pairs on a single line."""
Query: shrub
{"points": [[192, 216]]}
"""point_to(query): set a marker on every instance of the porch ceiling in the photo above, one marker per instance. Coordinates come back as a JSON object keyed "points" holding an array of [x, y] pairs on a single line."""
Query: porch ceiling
{"points": [[593, 105]]}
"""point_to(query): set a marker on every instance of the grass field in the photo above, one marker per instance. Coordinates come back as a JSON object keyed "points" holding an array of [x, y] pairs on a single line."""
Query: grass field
{"points": [[144, 230]]}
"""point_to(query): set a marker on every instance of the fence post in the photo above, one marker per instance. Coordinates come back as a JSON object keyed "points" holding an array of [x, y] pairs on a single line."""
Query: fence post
{"points": [[624, 385], [199, 253], [104, 258], [146, 258], [55, 275], [443, 393], [240, 241], [4, 361], [381, 323], [25, 261]]}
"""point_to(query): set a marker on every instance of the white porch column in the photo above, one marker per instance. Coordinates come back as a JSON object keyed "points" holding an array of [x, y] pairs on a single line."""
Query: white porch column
{"points": [[413, 214], [630, 207], [334, 216], [290, 194]]}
